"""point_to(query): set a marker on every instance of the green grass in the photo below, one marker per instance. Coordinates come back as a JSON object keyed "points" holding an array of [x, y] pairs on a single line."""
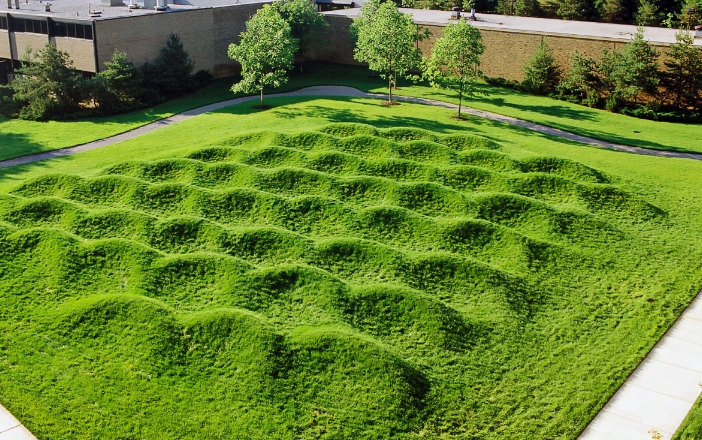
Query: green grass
{"points": [[19, 138], [333, 268], [691, 427]]}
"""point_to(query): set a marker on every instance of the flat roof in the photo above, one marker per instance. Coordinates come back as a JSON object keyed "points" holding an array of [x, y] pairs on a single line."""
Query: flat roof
{"points": [[541, 26], [78, 9]]}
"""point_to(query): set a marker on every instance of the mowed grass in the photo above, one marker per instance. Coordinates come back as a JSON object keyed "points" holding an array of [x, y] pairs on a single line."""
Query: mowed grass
{"points": [[19, 138], [333, 268]]}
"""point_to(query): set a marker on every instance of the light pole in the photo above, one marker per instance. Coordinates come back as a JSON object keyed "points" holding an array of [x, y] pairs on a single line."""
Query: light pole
{"points": [[512, 7]]}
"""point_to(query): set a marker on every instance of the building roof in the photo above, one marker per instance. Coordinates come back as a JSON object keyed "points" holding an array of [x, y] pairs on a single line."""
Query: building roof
{"points": [[541, 26], [79, 9]]}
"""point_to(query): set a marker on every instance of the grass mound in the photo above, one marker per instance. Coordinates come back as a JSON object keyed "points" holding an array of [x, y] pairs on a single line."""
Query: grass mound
{"points": [[348, 282]]}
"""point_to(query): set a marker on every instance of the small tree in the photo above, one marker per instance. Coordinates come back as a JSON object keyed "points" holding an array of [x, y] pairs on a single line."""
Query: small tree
{"points": [[455, 60], [541, 74], [266, 52], [647, 14], [581, 82], [47, 85], [635, 69], [683, 75], [386, 40], [118, 88], [304, 21], [170, 75]]}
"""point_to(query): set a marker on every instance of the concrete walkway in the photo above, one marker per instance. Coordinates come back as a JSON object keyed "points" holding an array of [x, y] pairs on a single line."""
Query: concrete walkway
{"points": [[11, 428], [661, 391], [347, 92]]}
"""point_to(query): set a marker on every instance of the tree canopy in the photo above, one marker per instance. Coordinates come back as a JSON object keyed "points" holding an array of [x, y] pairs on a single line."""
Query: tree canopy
{"points": [[385, 40], [266, 52], [455, 60], [303, 19]]}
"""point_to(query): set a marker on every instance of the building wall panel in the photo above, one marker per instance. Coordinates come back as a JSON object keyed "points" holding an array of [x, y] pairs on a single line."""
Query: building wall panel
{"points": [[22, 41], [80, 50], [143, 37], [4, 45], [229, 22]]}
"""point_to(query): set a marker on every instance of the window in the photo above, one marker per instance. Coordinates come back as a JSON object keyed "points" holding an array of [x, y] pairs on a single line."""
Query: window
{"points": [[3, 23], [31, 26], [73, 30]]}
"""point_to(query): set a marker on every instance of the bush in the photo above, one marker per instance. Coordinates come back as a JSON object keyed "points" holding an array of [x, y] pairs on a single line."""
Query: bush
{"points": [[682, 78], [119, 87], [581, 83], [47, 86], [542, 74]]}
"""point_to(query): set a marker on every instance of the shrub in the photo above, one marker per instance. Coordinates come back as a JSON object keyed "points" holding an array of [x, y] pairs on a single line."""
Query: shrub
{"points": [[682, 78], [47, 85], [542, 74], [581, 83], [119, 87]]}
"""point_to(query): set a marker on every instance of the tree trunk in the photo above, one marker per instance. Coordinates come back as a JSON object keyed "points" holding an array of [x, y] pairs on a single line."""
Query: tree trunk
{"points": [[460, 100], [390, 89], [261, 97]]}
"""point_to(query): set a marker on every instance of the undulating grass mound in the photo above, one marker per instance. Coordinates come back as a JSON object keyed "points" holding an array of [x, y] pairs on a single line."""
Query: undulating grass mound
{"points": [[349, 282]]}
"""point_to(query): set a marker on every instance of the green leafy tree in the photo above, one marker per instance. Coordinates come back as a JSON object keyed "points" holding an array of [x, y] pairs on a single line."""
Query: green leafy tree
{"points": [[581, 82], [305, 23], [541, 74], [118, 88], [682, 78], [47, 85], [385, 40], [266, 52], [455, 60]]}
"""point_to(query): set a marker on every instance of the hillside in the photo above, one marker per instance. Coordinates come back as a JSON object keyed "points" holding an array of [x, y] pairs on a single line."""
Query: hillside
{"points": [[338, 281]]}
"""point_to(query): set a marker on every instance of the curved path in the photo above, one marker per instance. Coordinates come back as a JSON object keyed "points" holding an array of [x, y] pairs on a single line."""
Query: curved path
{"points": [[346, 92]]}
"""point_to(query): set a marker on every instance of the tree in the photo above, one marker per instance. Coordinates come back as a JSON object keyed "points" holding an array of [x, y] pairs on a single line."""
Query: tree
{"points": [[455, 60], [541, 74], [47, 85], [304, 21], [638, 69], [118, 88], [266, 52], [170, 75], [581, 82], [385, 40], [682, 78], [647, 14], [522, 8]]}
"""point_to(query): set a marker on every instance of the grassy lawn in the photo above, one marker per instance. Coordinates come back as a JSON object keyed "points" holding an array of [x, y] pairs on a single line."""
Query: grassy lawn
{"points": [[333, 268], [691, 428], [19, 138]]}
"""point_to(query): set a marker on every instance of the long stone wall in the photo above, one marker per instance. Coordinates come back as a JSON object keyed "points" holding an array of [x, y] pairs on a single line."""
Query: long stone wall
{"points": [[506, 51]]}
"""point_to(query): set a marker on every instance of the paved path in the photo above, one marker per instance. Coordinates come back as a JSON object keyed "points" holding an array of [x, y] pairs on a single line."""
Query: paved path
{"points": [[11, 428], [661, 391], [340, 91]]}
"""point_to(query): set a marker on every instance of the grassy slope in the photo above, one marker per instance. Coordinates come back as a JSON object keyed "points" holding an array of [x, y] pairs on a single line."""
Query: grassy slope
{"points": [[19, 138], [529, 346], [691, 427]]}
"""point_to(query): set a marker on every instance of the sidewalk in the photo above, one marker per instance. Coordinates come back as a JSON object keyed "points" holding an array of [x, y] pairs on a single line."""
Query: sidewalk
{"points": [[11, 428], [661, 391]]}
